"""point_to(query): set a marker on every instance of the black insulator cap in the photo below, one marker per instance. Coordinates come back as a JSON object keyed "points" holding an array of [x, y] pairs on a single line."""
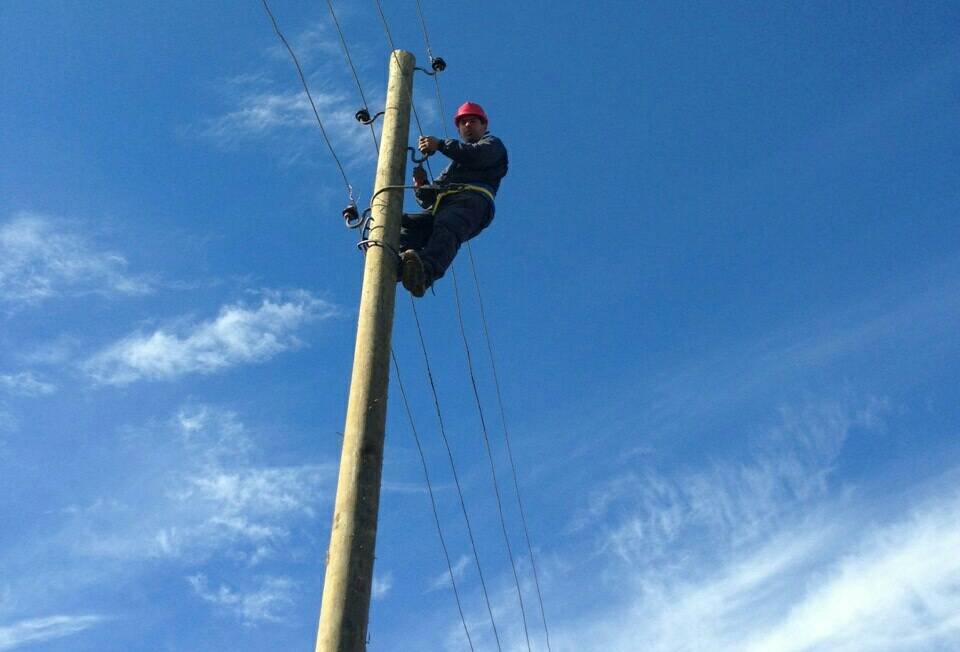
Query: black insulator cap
{"points": [[438, 64], [362, 115]]}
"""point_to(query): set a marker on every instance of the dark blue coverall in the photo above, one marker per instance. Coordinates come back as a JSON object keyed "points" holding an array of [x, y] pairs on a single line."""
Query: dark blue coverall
{"points": [[436, 235]]}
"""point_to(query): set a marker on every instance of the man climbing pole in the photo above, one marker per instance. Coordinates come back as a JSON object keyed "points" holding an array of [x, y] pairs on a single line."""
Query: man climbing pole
{"points": [[460, 202]]}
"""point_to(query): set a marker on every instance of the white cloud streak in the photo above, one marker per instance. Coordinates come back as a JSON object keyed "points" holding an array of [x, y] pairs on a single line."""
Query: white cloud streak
{"points": [[26, 384], [442, 581], [381, 586], [239, 334], [899, 590], [210, 500], [272, 105], [764, 555], [814, 585], [643, 514], [41, 258], [262, 604], [48, 628]]}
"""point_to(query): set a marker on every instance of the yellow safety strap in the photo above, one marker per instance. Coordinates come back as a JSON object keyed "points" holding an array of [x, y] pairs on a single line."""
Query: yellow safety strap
{"points": [[461, 188]]}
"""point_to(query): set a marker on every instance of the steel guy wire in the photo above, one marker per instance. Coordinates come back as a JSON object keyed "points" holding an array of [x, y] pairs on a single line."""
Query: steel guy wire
{"points": [[493, 469], [506, 435], [433, 501], [303, 80], [453, 468], [353, 69]]}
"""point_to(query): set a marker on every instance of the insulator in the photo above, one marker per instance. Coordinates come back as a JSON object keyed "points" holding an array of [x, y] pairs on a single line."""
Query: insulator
{"points": [[351, 215], [438, 64], [363, 116]]}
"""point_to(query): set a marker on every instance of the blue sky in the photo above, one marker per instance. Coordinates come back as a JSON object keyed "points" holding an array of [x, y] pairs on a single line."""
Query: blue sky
{"points": [[723, 286]]}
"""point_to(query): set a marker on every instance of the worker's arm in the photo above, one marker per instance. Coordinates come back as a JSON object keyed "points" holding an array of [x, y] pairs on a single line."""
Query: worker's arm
{"points": [[484, 153]]}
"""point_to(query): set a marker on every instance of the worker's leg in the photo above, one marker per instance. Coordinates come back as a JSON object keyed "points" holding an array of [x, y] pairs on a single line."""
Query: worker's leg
{"points": [[459, 218], [415, 230]]}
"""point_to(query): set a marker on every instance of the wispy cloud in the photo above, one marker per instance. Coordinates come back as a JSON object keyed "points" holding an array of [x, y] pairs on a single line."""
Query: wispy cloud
{"points": [[48, 628], [766, 554], [189, 496], [381, 586], [442, 581], [643, 513], [26, 384], [269, 103], [264, 603], [826, 583], [239, 334], [42, 258], [899, 589], [210, 498]]}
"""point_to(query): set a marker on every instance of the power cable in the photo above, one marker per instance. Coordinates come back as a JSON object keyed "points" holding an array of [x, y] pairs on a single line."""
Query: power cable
{"points": [[423, 24], [303, 80], [393, 51], [493, 469], [433, 501], [436, 77], [356, 77], [453, 468], [506, 435], [486, 331]]}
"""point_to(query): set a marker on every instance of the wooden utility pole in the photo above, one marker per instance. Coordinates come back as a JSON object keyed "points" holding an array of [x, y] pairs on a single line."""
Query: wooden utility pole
{"points": [[346, 588]]}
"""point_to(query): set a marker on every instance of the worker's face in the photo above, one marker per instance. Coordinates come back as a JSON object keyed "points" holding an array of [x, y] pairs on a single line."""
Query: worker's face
{"points": [[471, 128]]}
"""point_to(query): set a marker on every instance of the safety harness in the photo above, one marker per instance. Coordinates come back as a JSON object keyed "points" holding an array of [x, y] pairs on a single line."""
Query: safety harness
{"points": [[456, 188]]}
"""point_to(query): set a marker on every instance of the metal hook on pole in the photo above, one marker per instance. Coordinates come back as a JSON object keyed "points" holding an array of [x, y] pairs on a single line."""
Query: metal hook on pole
{"points": [[363, 116], [436, 63], [413, 156]]}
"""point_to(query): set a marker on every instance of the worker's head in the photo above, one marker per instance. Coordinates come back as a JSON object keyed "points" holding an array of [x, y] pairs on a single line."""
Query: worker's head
{"points": [[471, 122]]}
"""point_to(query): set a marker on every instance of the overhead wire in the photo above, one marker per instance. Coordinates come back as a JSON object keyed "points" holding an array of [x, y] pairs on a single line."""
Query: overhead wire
{"points": [[493, 468], [436, 77], [349, 188], [403, 393], [433, 501], [506, 435], [393, 51], [313, 105], [453, 469], [346, 51], [496, 380]]}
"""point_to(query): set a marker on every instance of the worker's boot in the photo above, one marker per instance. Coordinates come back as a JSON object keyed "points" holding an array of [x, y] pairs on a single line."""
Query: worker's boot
{"points": [[412, 274]]}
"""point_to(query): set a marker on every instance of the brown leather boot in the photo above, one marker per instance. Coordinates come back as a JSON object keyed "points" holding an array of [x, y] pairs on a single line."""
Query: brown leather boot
{"points": [[412, 273]]}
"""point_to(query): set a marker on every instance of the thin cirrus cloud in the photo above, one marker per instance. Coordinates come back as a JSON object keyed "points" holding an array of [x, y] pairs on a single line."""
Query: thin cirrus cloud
{"points": [[42, 258], [47, 628], [191, 497], [238, 334], [817, 584], [270, 103], [263, 602], [26, 384], [764, 554], [211, 497], [285, 115]]}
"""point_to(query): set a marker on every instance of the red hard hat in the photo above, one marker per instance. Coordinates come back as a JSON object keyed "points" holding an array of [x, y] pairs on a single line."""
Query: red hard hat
{"points": [[469, 108]]}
